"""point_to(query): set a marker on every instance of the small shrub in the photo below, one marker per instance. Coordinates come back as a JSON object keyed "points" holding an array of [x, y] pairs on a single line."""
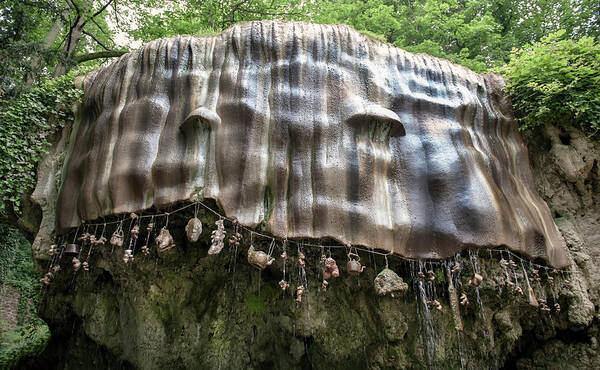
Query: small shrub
{"points": [[556, 82]]}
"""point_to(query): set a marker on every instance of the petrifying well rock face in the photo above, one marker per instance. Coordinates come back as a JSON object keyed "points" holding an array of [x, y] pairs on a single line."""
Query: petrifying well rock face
{"points": [[316, 130]]}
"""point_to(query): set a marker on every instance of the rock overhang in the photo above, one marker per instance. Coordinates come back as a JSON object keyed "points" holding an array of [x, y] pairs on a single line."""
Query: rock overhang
{"points": [[315, 130]]}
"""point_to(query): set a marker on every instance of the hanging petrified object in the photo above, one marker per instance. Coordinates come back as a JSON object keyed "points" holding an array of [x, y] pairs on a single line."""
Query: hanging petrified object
{"points": [[519, 290], [550, 280], [301, 260], [388, 282], [217, 237], [284, 255], [72, 249], [535, 276], [85, 266], [127, 256], [435, 304], [543, 305], [531, 296], [430, 275], [353, 266], [116, 240], [53, 250], [513, 265], [259, 259], [454, 301], [456, 268], [324, 285], [135, 232], [421, 275], [47, 279], [98, 242], [299, 292], [164, 240], [510, 285], [476, 280], [283, 285], [56, 268], [557, 307], [145, 249], [331, 269], [85, 237], [464, 300], [235, 239], [76, 264], [193, 229]]}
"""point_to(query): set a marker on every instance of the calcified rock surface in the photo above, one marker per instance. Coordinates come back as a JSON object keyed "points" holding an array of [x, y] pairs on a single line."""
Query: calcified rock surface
{"points": [[318, 131]]}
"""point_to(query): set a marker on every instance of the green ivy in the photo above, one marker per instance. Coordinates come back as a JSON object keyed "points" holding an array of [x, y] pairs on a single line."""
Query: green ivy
{"points": [[556, 82], [17, 272], [26, 123]]}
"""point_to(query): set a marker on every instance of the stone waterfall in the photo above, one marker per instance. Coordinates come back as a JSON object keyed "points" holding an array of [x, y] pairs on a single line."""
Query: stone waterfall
{"points": [[311, 131], [316, 134]]}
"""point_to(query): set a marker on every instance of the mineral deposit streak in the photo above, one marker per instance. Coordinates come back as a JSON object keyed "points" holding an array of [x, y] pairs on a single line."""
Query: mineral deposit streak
{"points": [[316, 130]]}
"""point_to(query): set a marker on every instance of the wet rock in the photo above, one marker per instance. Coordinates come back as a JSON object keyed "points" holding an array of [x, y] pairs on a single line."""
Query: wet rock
{"points": [[388, 282]]}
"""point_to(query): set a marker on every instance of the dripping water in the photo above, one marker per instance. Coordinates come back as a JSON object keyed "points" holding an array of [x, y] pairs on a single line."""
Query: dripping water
{"points": [[474, 259], [426, 334]]}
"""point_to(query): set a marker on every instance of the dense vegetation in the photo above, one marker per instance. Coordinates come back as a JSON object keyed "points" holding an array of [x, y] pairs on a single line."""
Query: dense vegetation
{"points": [[17, 273], [556, 82], [547, 49], [28, 119]]}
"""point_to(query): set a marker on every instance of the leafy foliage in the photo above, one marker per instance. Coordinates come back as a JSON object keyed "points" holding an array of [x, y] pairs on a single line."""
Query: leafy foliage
{"points": [[28, 120], [17, 272], [556, 82], [202, 17], [25, 341], [16, 268], [476, 33]]}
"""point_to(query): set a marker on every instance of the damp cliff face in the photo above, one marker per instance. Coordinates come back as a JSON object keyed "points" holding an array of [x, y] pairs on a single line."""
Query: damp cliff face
{"points": [[186, 309], [315, 131]]}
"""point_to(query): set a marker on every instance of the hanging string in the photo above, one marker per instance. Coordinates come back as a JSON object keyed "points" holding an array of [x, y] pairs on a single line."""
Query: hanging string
{"points": [[284, 258], [75, 236], [198, 204]]}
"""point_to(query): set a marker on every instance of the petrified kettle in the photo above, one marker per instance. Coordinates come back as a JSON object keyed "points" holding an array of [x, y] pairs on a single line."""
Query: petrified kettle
{"points": [[353, 267], [259, 259], [72, 249]]}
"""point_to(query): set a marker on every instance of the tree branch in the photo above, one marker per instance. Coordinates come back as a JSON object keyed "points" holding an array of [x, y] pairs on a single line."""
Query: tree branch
{"points": [[102, 9], [100, 54], [95, 39], [73, 5], [99, 26], [98, 12]]}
